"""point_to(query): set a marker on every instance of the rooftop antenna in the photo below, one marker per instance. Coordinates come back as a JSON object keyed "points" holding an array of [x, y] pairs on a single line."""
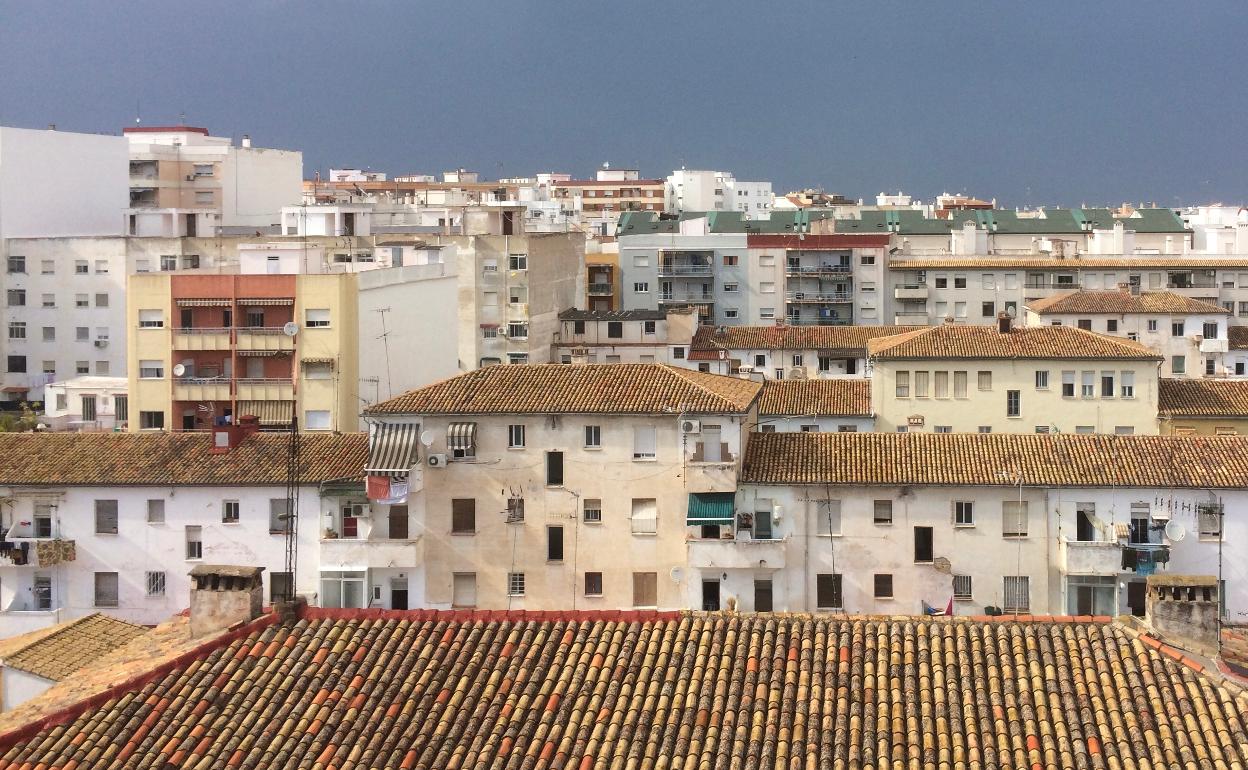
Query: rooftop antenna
{"points": [[292, 502], [385, 343]]}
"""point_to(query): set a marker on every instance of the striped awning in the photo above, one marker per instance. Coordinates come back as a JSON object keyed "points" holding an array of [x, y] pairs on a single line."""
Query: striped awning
{"points": [[710, 508], [202, 302], [307, 361], [262, 353], [391, 448], [269, 412], [461, 435], [259, 301]]}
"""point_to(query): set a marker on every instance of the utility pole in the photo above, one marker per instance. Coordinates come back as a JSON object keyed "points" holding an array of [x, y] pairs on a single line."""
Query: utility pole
{"points": [[385, 342]]}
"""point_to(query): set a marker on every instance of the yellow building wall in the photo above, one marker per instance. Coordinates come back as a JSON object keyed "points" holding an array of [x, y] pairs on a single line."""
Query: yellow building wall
{"points": [[339, 341], [148, 292], [1187, 426]]}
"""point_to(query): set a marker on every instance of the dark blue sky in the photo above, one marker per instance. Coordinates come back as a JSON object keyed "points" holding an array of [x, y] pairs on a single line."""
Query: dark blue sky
{"points": [[1036, 103]]}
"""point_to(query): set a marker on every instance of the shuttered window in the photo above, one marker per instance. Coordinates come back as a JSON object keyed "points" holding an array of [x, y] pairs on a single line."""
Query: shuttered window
{"points": [[645, 589], [828, 593], [105, 517], [464, 516], [1017, 594], [1014, 519], [106, 589], [645, 516]]}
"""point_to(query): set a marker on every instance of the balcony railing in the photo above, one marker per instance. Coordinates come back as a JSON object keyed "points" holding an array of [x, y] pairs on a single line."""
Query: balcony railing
{"points": [[817, 297], [265, 389], [599, 289], [799, 270], [1050, 283], [686, 296], [668, 268], [815, 321], [201, 338], [264, 338], [1196, 283], [741, 553], [1091, 557]]}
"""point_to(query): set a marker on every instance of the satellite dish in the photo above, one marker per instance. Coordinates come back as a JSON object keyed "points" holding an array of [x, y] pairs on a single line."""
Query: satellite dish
{"points": [[426, 438], [179, 370], [290, 328], [677, 574], [1175, 531]]}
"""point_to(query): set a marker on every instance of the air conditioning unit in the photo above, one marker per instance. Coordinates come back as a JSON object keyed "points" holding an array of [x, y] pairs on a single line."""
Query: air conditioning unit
{"points": [[691, 426], [101, 343], [436, 461]]}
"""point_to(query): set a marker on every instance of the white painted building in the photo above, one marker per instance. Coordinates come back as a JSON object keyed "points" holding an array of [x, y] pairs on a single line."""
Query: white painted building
{"points": [[816, 406], [86, 403], [692, 190], [624, 337]]}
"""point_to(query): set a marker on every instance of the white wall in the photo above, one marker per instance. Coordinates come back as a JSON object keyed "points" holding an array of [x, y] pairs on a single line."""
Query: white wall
{"points": [[20, 686], [60, 183]]}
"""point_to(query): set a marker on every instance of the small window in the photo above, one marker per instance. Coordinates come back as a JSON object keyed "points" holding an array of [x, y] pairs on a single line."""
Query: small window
{"points": [[17, 264], [105, 517], [151, 319], [1013, 403], [962, 588], [155, 582], [397, 522], [641, 287], [678, 353], [647, 327], [151, 370], [554, 543], [81, 267], [106, 589], [281, 586], [592, 511], [464, 516], [644, 518], [1042, 380], [1068, 384], [554, 469], [593, 436], [229, 511], [1014, 518], [645, 589], [515, 436], [923, 545], [1017, 594], [731, 260], [985, 380], [518, 262], [16, 297], [615, 330], [317, 318], [1210, 521], [151, 420], [1111, 325], [155, 511], [593, 584], [902, 385], [279, 516], [101, 300], [1107, 384], [883, 512], [829, 594], [1178, 365], [515, 584], [883, 586], [316, 419], [194, 542], [964, 513]]}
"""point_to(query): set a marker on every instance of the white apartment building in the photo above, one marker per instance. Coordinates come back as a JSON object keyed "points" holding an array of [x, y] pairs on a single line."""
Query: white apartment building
{"points": [[1217, 229], [1002, 379], [625, 336], [86, 404], [113, 522], [690, 190], [185, 182], [561, 487], [890, 524], [1190, 334]]}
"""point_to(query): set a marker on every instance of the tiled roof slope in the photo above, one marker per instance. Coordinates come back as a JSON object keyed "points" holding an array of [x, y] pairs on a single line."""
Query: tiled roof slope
{"points": [[792, 337], [1122, 303], [76, 644], [1202, 398], [984, 342], [1237, 337], [158, 459], [993, 459], [587, 389], [416, 690], [836, 398]]}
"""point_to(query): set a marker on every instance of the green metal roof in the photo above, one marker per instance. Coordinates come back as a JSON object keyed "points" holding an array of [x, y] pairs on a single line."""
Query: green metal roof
{"points": [[711, 508]]}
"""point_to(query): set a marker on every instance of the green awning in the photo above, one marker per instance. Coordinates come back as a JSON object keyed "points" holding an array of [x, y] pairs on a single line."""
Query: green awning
{"points": [[711, 508]]}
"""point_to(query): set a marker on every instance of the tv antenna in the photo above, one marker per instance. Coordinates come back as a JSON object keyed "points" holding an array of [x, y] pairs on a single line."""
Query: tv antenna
{"points": [[385, 344]]}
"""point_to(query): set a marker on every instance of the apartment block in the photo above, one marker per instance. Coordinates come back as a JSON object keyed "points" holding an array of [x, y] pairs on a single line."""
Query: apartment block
{"points": [[691, 190], [627, 336]]}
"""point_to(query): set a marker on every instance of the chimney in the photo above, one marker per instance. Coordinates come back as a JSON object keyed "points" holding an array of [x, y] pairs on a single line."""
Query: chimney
{"points": [[246, 140], [226, 437], [1184, 610], [222, 595], [1125, 288], [1003, 322]]}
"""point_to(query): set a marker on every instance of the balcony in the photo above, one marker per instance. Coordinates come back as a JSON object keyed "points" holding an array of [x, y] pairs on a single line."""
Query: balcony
{"points": [[816, 270], [201, 339], [14, 554], [797, 320], [741, 553], [1063, 284], [518, 310], [201, 389], [702, 476], [265, 389], [1090, 557], [686, 296], [343, 553], [910, 291], [264, 338], [600, 290], [910, 319], [1213, 346], [818, 298]]}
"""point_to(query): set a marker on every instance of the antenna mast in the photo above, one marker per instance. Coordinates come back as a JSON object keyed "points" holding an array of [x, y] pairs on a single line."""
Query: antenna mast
{"points": [[292, 502]]}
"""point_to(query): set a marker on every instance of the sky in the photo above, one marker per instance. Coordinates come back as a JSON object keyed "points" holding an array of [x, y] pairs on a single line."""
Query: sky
{"points": [[1050, 103]]}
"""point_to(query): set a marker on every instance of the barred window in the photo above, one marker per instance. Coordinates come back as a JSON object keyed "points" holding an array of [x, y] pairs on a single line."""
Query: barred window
{"points": [[155, 583]]}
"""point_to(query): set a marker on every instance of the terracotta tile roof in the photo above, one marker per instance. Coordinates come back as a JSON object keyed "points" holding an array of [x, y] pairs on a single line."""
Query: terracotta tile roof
{"points": [[580, 389], [984, 342], [836, 398], [1122, 303], [1237, 337], [1202, 398], [72, 646], [852, 338], [989, 459], [531, 690], [1068, 263], [146, 459]]}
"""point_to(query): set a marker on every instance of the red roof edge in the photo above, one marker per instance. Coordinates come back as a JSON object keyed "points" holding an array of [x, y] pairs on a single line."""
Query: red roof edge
{"points": [[71, 712], [164, 130], [813, 241], [469, 615]]}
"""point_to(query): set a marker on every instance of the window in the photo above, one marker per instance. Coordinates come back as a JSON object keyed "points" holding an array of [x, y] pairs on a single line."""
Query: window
{"points": [[1126, 382], [17, 297], [730, 260], [766, 287], [922, 545], [1085, 324], [47, 267], [17, 264], [518, 262], [615, 330], [732, 288], [941, 380], [959, 384], [152, 420], [82, 367], [82, 334], [959, 282], [903, 384], [1111, 325], [106, 589], [554, 543], [101, 300], [592, 511], [1042, 380], [342, 589], [943, 429], [963, 513], [645, 442], [101, 267], [515, 584], [517, 330], [883, 512], [1178, 365], [827, 517], [49, 334], [1014, 518], [593, 436], [281, 586], [491, 332], [942, 282], [985, 380], [105, 517], [645, 589], [155, 511], [644, 518], [593, 584], [641, 287], [317, 318], [515, 436], [1068, 384], [1013, 403], [766, 312], [1152, 324], [1017, 594], [828, 591], [155, 582], [988, 309], [1124, 430], [279, 515], [17, 330], [396, 520], [1209, 520], [81, 300], [962, 588], [318, 370], [1176, 329], [1107, 384], [81, 267], [1087, 384], [194, 542], [678, 353], [866, 259], [43, 520], [464, 516], [151, 370], [151, 319], [641, 260], [554, 469], [229, 511], [883, 586], [647, 328]]}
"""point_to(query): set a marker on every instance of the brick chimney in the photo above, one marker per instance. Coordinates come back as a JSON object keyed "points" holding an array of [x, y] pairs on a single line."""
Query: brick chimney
{"points": [[1004, 322], [1184, 610], [222, 595], [226, 437]]}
